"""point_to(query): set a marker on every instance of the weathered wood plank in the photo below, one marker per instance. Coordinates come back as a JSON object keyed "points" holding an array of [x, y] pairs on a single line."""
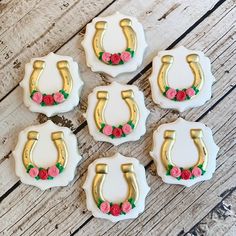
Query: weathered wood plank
{"points": [[220, 221], [40, 31]]}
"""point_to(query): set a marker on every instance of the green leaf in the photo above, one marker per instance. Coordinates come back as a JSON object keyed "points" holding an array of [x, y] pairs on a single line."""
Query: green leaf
{"points": [[66, 95], [166, 88], [128, 49], [178, 178], [37, 177], [112, 136], [200, 166], [50, 177], [123, 135], [168, 172], [103, 125], [100, 56], [43, 104], [170, 167]]}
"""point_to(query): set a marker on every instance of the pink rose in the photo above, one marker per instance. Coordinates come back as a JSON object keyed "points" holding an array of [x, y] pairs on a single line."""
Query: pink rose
{"points": [[190, 92], [37, 97], [171, 93], [58, 97], [175, 172], [125, 56], [107, 130], [126, 207], [127, 129], [186, 174], [34, 172], [105, 207], [106, 56], [53, 171], [196, 171], [115, 58], [181, 96]]}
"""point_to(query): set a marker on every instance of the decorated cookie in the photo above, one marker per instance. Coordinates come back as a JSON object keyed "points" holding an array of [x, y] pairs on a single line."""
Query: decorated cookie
{"points": [[116, 113], [46, 155], [181, 79], [51, 84], [114, 44], [184, 152], [116, 188]]}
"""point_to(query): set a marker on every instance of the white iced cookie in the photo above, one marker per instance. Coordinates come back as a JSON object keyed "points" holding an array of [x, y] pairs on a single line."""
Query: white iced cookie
{"points": [[46, 155], [51, 84], [181, 79], [116, 188], [116, 113], [184, 152], [114, 44]]}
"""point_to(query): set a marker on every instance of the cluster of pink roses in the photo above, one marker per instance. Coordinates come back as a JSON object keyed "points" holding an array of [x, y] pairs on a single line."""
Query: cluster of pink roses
{"points": [[186, 174], [117, 58], [116, 209], [117, 132], [180, 95], [40, 173], [49, 100]]}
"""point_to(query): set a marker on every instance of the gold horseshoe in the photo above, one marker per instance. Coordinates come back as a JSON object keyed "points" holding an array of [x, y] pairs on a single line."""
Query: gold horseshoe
{"points": [[62, 66], [169, 140], [32, 138], [128, 171], [126, 25], [193, 61], [102, 97]]}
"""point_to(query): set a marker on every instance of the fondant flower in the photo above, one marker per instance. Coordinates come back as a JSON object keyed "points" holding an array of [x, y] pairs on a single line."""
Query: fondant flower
{"points": [[117, 132], [58, 97], [105, 207], [170, 93], [43, 174], [126, 207], [34, 172], [190, 92], [181, 95], [175, 172], [53, 171], [37, 97], [115, 58], [48, 100], [115, 210], [106, 56], [125, 56], [186, 174], [196, 171], [107, 130], [127, 129]]}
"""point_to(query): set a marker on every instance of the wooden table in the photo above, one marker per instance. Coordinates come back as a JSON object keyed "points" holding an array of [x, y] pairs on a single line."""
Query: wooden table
{"points": [[35, 28]]}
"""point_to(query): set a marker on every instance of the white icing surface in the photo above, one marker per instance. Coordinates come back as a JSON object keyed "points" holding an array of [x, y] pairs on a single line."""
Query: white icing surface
{"points": [[45, 155], [184, 152], [114, 41], [115, 187], [181, 76], [117, 112], [50, 81]]}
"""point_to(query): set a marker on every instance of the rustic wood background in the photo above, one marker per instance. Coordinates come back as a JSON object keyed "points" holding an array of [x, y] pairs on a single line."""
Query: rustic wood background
{"points": [[35, 28]]}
